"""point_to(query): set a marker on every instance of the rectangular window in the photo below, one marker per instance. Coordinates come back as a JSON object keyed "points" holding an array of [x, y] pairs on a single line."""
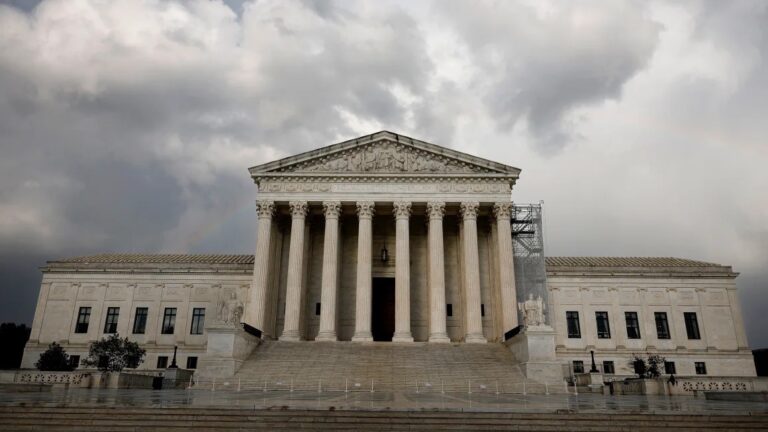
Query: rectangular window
{"points": [[578, 366], [191, 362], [608, 367], [603, 327], [701, 368], [449, 309], [662, 325], [169, 321], [692, 325], [83, 318], [74, 361], [162, 362], [633, 325], [574, 328], [669, 368], [198, 321], [110, 325], [140, 320], [317, 308]]}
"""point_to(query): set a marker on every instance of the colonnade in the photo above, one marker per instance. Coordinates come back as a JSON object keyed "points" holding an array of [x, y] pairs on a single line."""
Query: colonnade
{"points": [[257, 304]]}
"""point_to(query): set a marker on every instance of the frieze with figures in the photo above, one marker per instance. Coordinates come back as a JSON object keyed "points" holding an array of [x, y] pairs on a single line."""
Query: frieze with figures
{"points": [[386, 157], [425, 187]]}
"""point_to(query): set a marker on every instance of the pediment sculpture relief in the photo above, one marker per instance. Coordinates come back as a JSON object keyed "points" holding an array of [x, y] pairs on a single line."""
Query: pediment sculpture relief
{"points": [[385, 157]]}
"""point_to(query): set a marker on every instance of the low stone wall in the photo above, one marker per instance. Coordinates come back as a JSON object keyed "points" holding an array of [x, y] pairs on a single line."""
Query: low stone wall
{"points": [[688, 386], [77, 379]]}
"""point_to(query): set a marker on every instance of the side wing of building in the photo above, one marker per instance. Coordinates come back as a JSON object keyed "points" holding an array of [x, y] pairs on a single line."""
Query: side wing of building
{"points": [[687, 311]]}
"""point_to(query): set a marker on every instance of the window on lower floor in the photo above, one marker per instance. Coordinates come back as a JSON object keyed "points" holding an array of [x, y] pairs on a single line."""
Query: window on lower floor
{"points": [[633, 325], [162, 362], [603, 326], [198, 321], [110, 324], [692, 325], [574, 328], [669, 368], [578, 366], [83, 318], [608, 367], [191, 362], [701, 368], [449, 309], [74, 361], [662, 325], [169, 321], [140, 320]]}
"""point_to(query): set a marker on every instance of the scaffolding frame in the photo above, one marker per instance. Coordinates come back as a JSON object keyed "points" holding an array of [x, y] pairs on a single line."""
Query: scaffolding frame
{"points": [[528, 252]]}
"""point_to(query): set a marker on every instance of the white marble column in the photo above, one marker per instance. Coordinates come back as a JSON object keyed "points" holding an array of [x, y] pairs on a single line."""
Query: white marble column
{"points": [[293, 290], [503, 213], [257, 298], [402, 212], [474, 321], [365, 210], [437, 326], [330, 277]]}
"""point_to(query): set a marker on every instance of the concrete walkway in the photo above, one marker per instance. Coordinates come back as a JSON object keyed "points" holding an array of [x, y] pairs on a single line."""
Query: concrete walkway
{"points": [[380, 401]]}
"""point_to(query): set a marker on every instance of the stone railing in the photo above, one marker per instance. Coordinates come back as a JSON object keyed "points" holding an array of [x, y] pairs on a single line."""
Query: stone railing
{"points": [[690, 385], [41, 377]]}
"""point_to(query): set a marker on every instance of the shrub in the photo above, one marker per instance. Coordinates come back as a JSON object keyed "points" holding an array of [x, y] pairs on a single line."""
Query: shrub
{"points": [[650, 367], [54, 359], [113, 354]]}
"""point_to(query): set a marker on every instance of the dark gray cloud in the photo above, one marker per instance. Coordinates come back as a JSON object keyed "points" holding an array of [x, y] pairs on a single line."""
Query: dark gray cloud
{"points": [[128, 126]]}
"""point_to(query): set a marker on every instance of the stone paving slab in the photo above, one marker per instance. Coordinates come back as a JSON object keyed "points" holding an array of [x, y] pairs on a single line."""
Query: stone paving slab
{"points": [[382, 401]]}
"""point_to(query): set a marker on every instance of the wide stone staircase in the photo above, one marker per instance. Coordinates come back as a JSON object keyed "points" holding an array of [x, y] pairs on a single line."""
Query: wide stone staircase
{"points": [[133, 419], [420, 367]]}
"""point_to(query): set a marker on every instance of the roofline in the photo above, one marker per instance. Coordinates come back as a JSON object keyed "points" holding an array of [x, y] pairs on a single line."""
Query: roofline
{"points": [[263, 169]]}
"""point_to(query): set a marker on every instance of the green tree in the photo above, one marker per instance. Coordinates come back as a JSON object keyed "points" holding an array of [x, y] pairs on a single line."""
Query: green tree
{"points": [[13, 337], [649, 367], [54, 359], [113, 354]]}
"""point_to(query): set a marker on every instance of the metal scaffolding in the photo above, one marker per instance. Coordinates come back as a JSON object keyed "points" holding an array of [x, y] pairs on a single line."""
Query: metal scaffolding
{"points": [[528, 251]]}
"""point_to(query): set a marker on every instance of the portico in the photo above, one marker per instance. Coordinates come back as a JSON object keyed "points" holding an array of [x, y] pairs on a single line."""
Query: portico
{"points": [[383, 206]]}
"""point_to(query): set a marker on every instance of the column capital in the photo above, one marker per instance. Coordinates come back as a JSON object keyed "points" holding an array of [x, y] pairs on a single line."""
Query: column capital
{"points": [[401, 209], [332, 209], [469, 209], [265, 208], [365, 209], [298, 209], [502, 210], [436, 209]]}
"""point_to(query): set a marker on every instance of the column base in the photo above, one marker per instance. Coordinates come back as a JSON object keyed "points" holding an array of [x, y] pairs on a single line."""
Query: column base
{"points": [[404, 337], [326, 337], [362, 337], [475, 338], [290, 336], [439, 338]]}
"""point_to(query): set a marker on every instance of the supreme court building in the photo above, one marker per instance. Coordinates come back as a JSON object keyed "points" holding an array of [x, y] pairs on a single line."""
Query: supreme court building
{"points": [[385, 238]]}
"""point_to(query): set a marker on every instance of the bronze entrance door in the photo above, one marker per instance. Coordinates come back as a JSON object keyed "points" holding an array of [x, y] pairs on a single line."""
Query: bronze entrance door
{"points": [[383, 309]]}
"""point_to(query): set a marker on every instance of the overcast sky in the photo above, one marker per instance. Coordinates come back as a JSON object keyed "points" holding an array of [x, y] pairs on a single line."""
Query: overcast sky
{"points": [[129, 125]]}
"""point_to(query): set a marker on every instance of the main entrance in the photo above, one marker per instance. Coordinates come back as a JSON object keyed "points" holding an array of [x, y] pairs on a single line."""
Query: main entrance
{"points": [[383, 309]]}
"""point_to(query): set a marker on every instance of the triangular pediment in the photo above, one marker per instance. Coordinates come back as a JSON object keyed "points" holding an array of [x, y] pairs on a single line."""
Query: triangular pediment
{"points": [[383, 153]]}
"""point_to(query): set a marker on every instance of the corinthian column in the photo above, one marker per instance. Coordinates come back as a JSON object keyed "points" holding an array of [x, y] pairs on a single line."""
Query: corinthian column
{"points": [[472, 274], [330, 279], [402, 211], [257, 297], [365, 211], [503, 212], [295, 265], [437, 327]]}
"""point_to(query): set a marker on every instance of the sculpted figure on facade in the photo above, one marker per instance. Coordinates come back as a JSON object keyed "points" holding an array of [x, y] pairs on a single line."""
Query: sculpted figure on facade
{"points": [[532, 311], [229, 312]]}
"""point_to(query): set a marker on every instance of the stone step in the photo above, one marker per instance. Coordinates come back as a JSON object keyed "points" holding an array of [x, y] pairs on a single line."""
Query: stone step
{"points": [[120, 419]]}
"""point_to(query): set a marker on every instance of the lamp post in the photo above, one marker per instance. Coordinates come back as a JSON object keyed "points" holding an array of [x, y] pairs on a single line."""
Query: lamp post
{"points": [[594, 366], [173, 362]]}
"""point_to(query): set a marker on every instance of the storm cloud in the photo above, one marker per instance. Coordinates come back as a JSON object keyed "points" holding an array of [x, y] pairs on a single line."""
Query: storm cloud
{"points": [[128, 125]]}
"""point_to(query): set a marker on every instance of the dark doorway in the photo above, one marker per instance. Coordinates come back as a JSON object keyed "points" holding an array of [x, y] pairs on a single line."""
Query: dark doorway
{"points": [[383, 309]]}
